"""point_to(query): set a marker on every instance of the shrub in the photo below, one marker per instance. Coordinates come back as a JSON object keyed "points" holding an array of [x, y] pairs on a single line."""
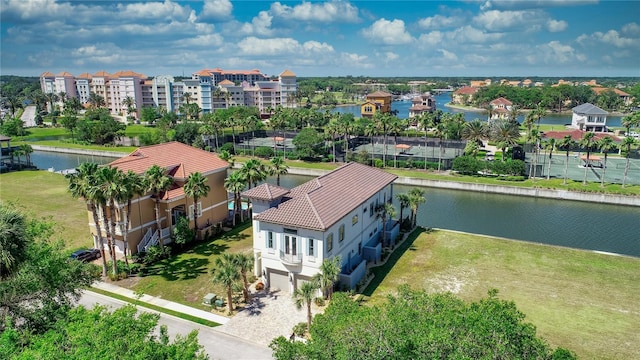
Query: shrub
{"points": [[156, 253], [467, 165], [378, 163], [228, 147], [319, 301], [300, 328], [264, 152]]}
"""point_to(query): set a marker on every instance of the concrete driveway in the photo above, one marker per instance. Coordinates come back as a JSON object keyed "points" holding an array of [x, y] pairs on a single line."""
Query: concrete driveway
{"points": [[270, 314]]}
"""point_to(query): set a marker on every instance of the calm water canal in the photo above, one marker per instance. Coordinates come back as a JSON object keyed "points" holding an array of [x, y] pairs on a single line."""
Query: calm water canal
{"points": [[573, 224]]}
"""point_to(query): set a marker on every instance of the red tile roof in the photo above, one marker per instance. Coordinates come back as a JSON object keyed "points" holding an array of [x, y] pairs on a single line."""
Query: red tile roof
{"points": [[179, 159], [47, 74], [288, 73], [466, 90], [576, 135], [266, 191], [379, 94], [600, 90], [320, 203], [501, 101]]}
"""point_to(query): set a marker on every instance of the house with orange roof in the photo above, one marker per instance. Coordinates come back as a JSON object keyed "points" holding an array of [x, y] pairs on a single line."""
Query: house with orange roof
{"points": [[463, 95], [179, 161], [424, 103], [288, 88], [500, 108], [334, 215], [378, 101], [624, 97]]}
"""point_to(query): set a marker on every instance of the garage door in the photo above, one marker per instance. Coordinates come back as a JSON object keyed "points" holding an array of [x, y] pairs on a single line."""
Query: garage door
{"points": [[279, 280], [301, 280]]}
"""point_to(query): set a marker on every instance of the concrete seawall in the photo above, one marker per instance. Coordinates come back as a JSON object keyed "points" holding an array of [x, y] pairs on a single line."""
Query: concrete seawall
{"points": [[499, 189], [113, 154]]}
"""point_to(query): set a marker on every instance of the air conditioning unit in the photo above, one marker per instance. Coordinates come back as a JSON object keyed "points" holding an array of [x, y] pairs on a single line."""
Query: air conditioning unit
{"points": [[209, 299]]}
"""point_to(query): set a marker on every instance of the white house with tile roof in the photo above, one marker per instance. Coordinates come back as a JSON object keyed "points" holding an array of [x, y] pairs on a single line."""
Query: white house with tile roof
{"points": [[589, 117], [332, 215]]}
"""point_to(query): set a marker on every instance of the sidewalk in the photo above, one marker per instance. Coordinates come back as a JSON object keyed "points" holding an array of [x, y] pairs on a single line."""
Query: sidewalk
{"points": [[169, 305]]}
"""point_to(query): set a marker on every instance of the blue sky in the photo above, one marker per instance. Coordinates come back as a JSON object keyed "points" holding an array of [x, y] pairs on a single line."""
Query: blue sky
{"points": [[324, 38]]}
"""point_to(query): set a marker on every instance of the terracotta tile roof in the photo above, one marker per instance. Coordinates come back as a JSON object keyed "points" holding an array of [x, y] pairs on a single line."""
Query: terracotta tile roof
{"points": [[203, 73], [466, 90], [600, 90], [266, 191], [226, 82], [65, 74], [576, 135], [287, 72], [47, 74], [102, 73], [320, 203], [501, 101], [379, 94], [179, 159], [84, 76]]}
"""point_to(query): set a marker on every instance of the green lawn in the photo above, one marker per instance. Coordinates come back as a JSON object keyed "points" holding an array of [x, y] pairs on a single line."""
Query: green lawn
{"points": [[580, 300], [44, 194], [186, 278]]}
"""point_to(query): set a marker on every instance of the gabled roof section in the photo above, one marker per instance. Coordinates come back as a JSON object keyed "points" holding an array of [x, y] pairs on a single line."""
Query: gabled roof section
{"points": [[320, 203], [589, 109], [266, 192], [379, 94], [287, 73], [466, 90], [84, 76], [501, 101], [179, 159], [47, 74], [102, 73], [65, 74], [577, 135], [226, 82]]}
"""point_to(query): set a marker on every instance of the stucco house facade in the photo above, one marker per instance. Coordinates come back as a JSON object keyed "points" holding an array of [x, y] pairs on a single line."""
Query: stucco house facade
{"points": [[501, 108], [589, 117], [294, 230], [180, 161], [378, 101], [424, 103]]}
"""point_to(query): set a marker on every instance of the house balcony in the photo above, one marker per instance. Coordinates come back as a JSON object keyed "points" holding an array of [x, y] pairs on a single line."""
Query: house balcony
{"points": [[291, 259]]}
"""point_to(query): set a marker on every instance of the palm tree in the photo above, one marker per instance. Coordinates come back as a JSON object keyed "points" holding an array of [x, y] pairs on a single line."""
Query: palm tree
{"points": [[490, 111], [534, 138], [475, 130], [631, 120], [186, 98], [397, 126], [383, 121], [226, 274], [566, 144], [278, 167], [505, 133], [81, 185], [235, 183], [13, 240], [513, 114], [110, 187], [441, 132], [550, 144], [529, 120], [416, 197], [370, 130], [385, 211], [129, 104], [539, 113], [627, 144], [133, 185], [405, 201], [253, 171], [332, 130], [196, 187], [426, 121], [244, 263], [346, 125], [26, 150], [157, 183], [305, 295], [328, 275], [605, 145], [96, 101], [586, 142]]}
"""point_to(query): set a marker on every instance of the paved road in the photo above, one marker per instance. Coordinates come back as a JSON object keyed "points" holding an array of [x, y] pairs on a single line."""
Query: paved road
{"points": [[29, 116], [218, 345]]}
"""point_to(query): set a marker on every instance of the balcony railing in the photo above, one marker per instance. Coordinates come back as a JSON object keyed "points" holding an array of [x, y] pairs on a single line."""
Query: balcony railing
{"points": [[291, 258]]}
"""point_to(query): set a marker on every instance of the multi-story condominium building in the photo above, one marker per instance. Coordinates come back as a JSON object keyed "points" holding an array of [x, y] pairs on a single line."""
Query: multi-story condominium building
{"points": [[588, 117], [420, 104], [209, 89]]}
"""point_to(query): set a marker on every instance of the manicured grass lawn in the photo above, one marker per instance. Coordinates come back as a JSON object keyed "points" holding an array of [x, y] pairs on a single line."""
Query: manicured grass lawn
{"points": [[580, 300], [186, 278], [44, 194]]}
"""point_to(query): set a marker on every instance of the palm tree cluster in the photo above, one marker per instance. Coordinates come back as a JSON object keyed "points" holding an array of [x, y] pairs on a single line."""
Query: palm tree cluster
{"points": [[252, 172], [231, 271]]}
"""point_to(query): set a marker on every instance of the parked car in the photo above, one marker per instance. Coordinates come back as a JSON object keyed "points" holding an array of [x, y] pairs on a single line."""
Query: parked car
{"points": [[86, 255]]}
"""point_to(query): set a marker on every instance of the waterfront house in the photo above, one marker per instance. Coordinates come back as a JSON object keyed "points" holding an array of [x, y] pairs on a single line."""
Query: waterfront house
{"points": [[463, 95], [180, 161], [589, 117], [378, 101], [332, 215], [624, 97], [420, 104], [500, 108]]}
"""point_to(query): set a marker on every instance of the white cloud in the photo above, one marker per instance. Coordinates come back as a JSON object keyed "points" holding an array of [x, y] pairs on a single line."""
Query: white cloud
{"points": [[153, 11], [496, 20], [352, 60], [533, 4], [611, 37], [282, 46], [556, 25], [555, 53], [631, 29], [430, 39], [328, 12], [439, 22], [469, 34], [216, 9], [448, 55], [260, 25], [206, 40], [34, 10], [387, 32]]}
